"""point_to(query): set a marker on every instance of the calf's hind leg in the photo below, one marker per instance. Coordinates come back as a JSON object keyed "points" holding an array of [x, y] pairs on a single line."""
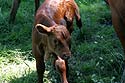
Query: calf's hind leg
{"points": [[14, 9], [37, 3]]}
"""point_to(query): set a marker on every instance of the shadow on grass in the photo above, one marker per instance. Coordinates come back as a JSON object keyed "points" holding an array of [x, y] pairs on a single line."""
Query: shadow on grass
{"points": [[27, 78]]}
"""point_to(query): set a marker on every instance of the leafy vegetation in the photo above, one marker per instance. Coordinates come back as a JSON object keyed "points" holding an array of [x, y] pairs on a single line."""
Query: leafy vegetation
{"points": [[96, 51]]}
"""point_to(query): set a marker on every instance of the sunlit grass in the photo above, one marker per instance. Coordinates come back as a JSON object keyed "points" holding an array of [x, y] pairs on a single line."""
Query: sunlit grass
{"points": [[13, 66], [17, 69]]}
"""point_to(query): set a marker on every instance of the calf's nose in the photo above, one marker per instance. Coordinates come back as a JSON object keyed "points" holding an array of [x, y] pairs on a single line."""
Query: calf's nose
{"points": [[66, 56]]}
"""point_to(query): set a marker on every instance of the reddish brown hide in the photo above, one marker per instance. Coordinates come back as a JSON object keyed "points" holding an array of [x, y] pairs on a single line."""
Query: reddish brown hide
{"points": [[61, 12], [15, 7], [65, 13], [50, 36], [118, 18]]}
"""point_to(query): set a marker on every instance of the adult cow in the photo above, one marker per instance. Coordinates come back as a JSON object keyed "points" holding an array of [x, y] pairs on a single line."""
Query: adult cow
{"points": [[118, 18], [51, 34], [15, 6]]}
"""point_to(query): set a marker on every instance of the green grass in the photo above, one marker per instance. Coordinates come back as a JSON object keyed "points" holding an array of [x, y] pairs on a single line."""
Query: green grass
{"points": [[96, 51]]}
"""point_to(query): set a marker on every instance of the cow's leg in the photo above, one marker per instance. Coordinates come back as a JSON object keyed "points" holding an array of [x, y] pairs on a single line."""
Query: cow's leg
{"points": [[40, 65], [69, 25], [14, 9], [40, 68], [67, 68], [120, 30], [121, 35], [61, 67], [37, 3], [77, 16], [79, 23]]}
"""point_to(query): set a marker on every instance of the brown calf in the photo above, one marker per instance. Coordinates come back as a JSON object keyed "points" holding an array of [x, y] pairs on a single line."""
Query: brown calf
{"points": [[50, 34], [118, 18]]}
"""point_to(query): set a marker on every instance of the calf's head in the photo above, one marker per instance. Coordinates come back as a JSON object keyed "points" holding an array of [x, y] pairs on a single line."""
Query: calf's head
{"points": [[56, 40]]}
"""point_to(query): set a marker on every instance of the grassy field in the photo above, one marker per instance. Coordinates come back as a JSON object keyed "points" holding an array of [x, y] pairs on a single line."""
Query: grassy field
{"points": [[96, 51]]}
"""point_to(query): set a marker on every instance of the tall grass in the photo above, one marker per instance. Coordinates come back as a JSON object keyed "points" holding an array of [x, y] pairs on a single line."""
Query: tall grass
{"points": [[96, 51]]}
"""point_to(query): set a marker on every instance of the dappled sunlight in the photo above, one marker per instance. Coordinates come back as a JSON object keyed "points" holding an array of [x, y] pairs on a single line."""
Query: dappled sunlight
{"points": [[97, 55], [24, 72], [11, 71]]}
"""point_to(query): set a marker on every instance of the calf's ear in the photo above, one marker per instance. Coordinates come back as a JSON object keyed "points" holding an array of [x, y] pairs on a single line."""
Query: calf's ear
{"points": [[41, 27]]}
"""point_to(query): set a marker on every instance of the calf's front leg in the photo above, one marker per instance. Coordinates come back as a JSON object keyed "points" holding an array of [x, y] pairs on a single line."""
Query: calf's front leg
{"points": [[40, 65], [61, 67], [40, 68]]}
